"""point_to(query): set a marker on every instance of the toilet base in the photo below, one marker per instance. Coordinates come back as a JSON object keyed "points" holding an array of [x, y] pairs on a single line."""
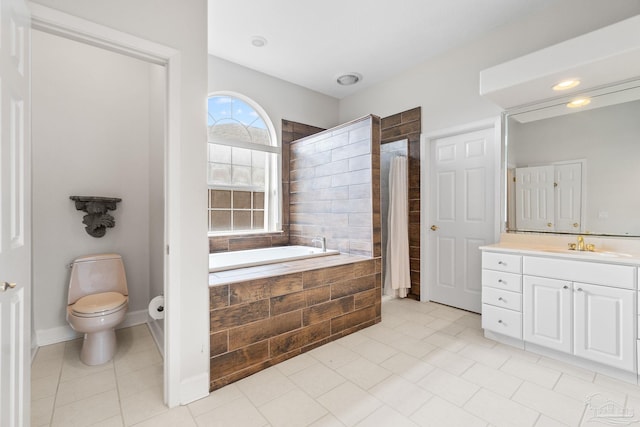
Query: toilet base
{"points": [[98, 347]]}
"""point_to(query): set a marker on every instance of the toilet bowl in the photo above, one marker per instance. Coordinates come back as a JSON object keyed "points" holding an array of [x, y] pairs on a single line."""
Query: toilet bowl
{"points": [[97, 303]]}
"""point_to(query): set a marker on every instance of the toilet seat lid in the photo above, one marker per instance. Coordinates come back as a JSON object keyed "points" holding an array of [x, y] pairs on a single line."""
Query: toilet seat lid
{"points": [[99, 303]]}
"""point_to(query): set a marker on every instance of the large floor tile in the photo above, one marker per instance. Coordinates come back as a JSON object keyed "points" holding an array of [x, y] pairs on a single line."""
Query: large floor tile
{"points": [[85, 386], [363, 373], [265, 386], [408, 367], [296, 364], [349, 403], [448, 386], [400, 394], [42, 411], [450, 362], [500, 411], [143, 405], [438, 412], [493, 379], [550, 403], [317, 379], [215, 400], [386, 416], [375, 351], [176, 417], [87, 412], [237, 413], [333, 355], [292, 409], [532, 372]]}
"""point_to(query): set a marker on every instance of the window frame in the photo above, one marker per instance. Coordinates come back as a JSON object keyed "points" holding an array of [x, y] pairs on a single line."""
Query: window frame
{"points": [[272, 191]]}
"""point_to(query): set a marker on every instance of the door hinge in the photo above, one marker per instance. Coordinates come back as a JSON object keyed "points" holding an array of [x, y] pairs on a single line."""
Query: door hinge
{"points": [[514, 179], [167, 249]]}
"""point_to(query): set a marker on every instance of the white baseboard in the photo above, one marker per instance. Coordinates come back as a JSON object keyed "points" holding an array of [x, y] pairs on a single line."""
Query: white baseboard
{"points": [[65, 333], [194, 388], [156, 327]]}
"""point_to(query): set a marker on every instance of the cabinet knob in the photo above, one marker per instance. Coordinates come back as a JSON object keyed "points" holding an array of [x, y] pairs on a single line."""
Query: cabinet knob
{"points": [[500, 281], [565, 287], [549, 224], [576, 225], [499, 321], [500, 299], [502, 263], [579, 289]]}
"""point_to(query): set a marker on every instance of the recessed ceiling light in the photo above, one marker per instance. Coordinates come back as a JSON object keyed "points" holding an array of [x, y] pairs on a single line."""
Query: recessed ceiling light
{"points": [[349, 79], [258, 41], [577, 103], [566, 84]]}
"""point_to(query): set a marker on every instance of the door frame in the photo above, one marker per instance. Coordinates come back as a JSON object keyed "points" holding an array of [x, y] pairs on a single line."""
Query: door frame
{"points": [[425, 192], [71, 27]]}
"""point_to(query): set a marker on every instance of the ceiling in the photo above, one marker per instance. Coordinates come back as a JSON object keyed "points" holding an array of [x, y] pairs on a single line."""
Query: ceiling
{"points": [[311, 43]]}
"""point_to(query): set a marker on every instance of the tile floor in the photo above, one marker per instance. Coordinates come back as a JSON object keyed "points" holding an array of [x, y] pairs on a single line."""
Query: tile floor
{"points": [[425, 365]]}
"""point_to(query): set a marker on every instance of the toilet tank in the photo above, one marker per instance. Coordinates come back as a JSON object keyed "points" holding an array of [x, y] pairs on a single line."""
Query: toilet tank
{"points": [[93, 274]]}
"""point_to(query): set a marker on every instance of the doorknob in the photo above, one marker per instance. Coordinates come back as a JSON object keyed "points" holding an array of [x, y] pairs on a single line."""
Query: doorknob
{"points": [[434, 227], [5, 285]]}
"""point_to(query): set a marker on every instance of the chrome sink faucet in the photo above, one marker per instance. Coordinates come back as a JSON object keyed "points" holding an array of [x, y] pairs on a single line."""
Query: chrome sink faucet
{"points": [[322, 240]]}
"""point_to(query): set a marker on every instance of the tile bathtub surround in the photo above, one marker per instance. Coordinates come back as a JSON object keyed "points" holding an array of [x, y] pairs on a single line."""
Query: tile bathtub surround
{"points": [[335, 188], [260, 322], [407, 125]]}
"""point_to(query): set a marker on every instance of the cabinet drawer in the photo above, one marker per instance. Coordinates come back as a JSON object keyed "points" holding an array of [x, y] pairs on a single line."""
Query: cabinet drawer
{"points": [[619, 276], [498, 279], [502, 262], [502, 321], [502, 298]]}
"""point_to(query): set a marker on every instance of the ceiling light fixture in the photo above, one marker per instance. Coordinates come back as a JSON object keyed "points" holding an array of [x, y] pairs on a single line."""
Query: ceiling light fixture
{"points": [[566, 84], [258, 41], [349, 79], [577, 103]]}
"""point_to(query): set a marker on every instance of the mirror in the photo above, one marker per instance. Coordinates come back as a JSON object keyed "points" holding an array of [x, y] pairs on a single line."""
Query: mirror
{"points": [[576, 170]]}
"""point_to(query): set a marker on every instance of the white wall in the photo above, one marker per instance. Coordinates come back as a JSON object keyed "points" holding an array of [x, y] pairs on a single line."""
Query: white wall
{"points": [[90, 136], [447, 87], [182, 26], [280, 99]]}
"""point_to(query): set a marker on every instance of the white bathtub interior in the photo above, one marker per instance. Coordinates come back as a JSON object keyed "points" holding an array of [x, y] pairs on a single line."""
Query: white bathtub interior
{"points": [[249, 258]]}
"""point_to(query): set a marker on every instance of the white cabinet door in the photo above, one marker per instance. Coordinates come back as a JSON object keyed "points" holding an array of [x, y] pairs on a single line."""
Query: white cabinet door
{"points": [[547, 312], [604, 325]]}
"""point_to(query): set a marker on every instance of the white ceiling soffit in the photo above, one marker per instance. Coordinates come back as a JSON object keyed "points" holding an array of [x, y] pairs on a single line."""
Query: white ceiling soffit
{"points": [[599, 58], [311, 43]]}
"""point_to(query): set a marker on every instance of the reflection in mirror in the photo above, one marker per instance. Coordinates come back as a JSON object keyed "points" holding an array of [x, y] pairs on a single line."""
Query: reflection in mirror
{"points": [[576, 170]]}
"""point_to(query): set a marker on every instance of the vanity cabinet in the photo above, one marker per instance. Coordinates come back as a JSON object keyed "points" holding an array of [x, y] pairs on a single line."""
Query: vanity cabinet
{"points": [[583, 308], [502, 293], [547, 312]]}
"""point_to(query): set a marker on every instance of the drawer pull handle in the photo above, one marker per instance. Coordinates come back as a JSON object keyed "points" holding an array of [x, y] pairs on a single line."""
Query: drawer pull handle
{"points": [[502, 263], [565, 287], [501, 281], [499, 321], [579, 289], [500, 299]]}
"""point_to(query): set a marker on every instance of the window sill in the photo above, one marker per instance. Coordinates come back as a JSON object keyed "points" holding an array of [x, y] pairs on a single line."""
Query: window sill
{"points": [[248, 233]]}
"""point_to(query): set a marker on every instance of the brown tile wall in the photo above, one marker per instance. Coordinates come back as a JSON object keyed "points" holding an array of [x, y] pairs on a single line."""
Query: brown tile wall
{"points": [[258, 323], [334, 185], [400, 126]]}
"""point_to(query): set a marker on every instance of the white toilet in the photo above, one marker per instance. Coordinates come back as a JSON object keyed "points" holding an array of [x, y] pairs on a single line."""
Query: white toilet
{"points": [[97, 303]]}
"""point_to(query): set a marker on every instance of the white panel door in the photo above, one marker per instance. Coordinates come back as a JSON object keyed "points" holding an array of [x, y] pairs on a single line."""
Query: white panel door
{"points": [[462, 171], [568, 197], [546, 309], [15, 225], [604, 325]]}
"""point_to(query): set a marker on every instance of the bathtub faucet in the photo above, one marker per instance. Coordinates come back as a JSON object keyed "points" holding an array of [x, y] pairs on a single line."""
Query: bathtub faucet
{"points": [[322, 240]]}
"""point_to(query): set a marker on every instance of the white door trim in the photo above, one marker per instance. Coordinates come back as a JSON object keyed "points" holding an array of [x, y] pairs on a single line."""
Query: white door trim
{"points": [[425, 196], [62, 24]]}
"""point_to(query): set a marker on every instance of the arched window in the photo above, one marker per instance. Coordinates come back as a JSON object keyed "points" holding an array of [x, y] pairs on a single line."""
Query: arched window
{"points": [[244, 166]]}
